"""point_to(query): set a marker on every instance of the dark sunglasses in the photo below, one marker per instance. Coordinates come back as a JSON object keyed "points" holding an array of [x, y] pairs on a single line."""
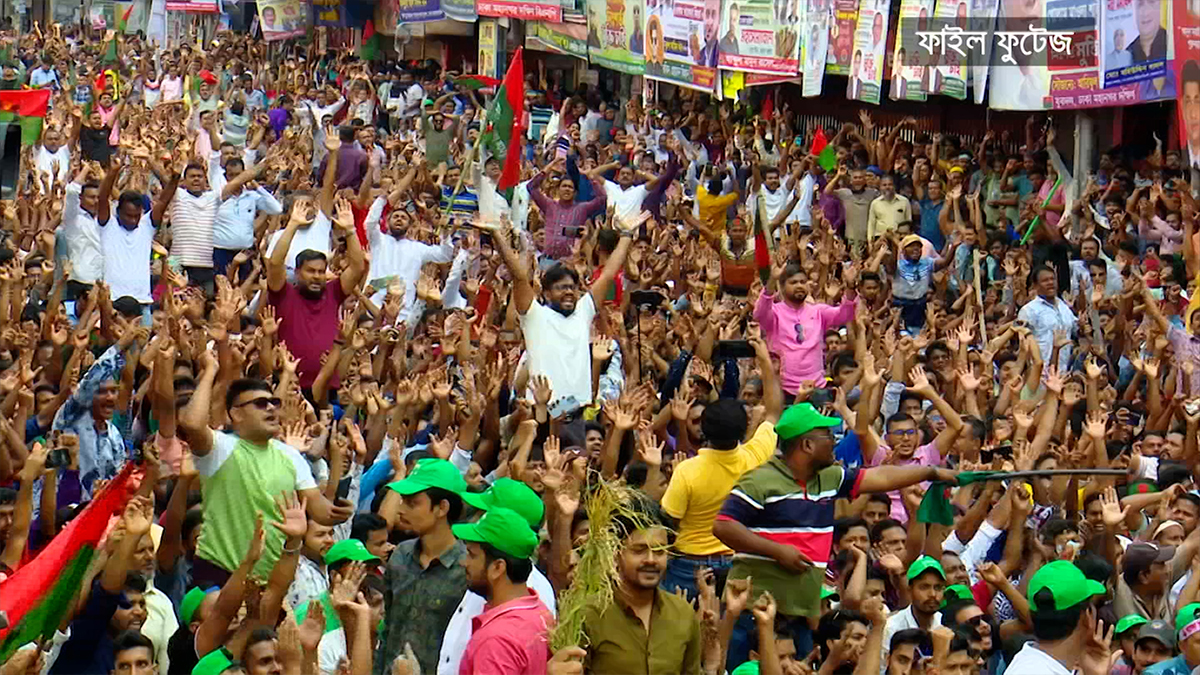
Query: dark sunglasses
{"points": [[262, 403]]}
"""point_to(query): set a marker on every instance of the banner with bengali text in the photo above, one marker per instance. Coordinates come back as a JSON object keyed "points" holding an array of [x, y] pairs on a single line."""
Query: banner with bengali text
{"points": [[682, 42], [615, 40], [910, 63], [419, 11], [329, 13], [1135, 41], [282, 19], [841, 36], [1187, 77], [526, 10], [870, 44], [560, 38], [815, 47], [761, 36]]}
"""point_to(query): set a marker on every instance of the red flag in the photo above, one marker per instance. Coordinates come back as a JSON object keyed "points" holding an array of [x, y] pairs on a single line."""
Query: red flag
{"points": [[768, 107], [101, 83], [504, 122]]}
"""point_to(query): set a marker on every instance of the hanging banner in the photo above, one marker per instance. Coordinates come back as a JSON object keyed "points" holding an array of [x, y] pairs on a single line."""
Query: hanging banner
{"points": [[949, 74], [282, 19], [526, 10], [911, 63], [615, 38], [870, 46], [560, 38], [815, 47], [760, 36], [194, 6], [841, 36], [419, 11], [488, 48], [983, 20], [1134, 39], [328, 13], [682, 41], [460, 10], [1187, 75]]}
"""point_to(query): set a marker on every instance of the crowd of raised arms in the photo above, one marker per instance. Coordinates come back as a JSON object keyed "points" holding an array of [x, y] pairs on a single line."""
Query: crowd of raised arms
{"points": [[359, 404]]}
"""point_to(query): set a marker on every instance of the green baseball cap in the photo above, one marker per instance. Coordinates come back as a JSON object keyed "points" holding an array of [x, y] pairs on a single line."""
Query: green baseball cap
{"points": [[349, 549], [956, 592], [213, 663], [924, 564], [1186, 615], [747, 668], [1067, 585], [801, 419], [1129, 621], [827, 592], [502, 528], [191, 603], [431, 472], [510, 494]]}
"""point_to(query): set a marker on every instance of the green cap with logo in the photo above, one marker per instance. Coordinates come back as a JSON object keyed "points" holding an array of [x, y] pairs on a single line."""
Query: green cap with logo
{"points": [[349, 549], [1185, 616], [924, 564], [509, 494], [1129, 621], [503, 529], [1066, 584], [431, 472], [802, 418], [213, 663]]}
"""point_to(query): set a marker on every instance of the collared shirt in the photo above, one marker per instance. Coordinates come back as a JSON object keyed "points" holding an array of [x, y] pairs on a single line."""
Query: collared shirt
{"points": [[418, 603], [192, 218], [913, 278], [559, 217], [101, 453], [886, 215], [512, 639], [83, 238], [620, 644], [1044, 318], [472, 606], [858, 207], [160, 625], [898, 621], [797, 334], [309, 583], [1033, 661], [1175, 666]]}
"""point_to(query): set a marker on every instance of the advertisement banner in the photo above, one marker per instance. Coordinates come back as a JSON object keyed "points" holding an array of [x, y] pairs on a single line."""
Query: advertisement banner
{"points": [[460, 10], [682, 42], [419, 11], [815, 47], [526, 10], [949, 73], [615, 39], [560, 38], [328, 13], [1135, 41], [194, 6], [282, 19], [1187, 75], [841, 36], [488, 48], [870, 45], [911, 63], [760, 36], [983, 20]]}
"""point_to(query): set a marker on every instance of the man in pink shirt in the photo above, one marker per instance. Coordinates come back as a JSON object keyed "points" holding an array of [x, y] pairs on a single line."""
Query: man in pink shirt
{"points": [[511, 636], [794, 327]]}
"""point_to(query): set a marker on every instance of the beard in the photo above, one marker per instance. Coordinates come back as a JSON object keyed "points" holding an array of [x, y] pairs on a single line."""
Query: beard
{"points": [[479, 588], [309, 293], [559, 308]]}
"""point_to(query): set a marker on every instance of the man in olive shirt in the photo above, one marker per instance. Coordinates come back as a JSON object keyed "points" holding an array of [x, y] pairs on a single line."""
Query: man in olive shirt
{"points": [[856, 200]]}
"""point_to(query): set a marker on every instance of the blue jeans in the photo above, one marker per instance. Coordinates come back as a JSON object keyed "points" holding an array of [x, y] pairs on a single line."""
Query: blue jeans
{"points": [[745, 637], [681, 573]]}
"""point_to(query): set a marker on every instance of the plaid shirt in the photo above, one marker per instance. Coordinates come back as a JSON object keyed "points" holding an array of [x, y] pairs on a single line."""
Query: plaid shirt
{"points": [[418, 603]]}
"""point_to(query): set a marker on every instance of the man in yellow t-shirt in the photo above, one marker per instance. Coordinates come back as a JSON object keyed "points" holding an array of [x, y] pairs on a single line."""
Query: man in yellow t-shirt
{"points": [[714, 206], [700, 484]]}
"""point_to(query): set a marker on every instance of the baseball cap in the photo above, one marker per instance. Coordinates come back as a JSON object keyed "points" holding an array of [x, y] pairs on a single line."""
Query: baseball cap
{"points": [[503, 529], [213, 663], [509, 494], [1187, 615], [349, 549], [802, 418], [1129, 621], [1066, 584], [191, 602], [827, 592], [1157, 630], [431, 472], [957, 592], [924, 564], [747, 668], [1139, 556], [909, 241]]}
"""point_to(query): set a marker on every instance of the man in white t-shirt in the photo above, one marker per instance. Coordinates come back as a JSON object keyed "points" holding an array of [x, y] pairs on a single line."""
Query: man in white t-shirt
{"points": [[625, 197], [558, 328], [126, 237], [53, 157]]}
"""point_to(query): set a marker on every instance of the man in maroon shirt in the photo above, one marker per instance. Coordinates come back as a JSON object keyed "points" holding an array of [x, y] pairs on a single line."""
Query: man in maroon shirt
{"points": [[352, 161], [308, 310]]}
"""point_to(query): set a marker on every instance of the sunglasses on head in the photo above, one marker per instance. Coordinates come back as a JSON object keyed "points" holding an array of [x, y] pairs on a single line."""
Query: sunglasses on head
{"points": [[262, 403]]}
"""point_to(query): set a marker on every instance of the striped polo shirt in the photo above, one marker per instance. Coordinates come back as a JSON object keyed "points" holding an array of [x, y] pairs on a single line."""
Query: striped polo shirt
{"points": [[192, 219], [772, 505], [465, 202]]}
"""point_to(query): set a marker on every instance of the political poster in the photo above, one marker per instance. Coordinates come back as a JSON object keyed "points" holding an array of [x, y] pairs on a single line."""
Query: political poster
{"points": [[1187, 77], [983, 20], [615, 38], [910, 63], [488, 48], [682, 42], [329, 13], [841, 36], [1135, 41], [870, 46], [560, 38], [282, 19], [526, 10], [815, 47], [761, 36], [948, 74]]}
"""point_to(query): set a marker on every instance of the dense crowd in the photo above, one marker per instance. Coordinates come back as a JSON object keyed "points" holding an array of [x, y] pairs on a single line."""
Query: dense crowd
{"points": [[378, 403]]}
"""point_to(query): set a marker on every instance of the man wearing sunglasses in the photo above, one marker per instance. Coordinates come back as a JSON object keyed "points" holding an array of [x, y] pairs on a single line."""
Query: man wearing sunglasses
{"points": [[242, 473]]}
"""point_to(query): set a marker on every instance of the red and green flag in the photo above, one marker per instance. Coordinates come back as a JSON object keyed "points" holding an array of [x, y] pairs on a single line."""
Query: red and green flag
{"points": [[826, 153], [38, 595], [26, 107], [369, 51], [504, 124], [123, 20], [475, 82]]}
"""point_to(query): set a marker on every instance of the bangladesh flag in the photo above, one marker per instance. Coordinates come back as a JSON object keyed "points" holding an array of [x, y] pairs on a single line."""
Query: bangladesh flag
{"points": [[27, 108], [826, 154], [503, 133], [475, 82], [39, 594]]}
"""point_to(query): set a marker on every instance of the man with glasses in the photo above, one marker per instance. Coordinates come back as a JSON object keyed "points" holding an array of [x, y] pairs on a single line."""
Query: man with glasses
{"points": [[242, 473]]}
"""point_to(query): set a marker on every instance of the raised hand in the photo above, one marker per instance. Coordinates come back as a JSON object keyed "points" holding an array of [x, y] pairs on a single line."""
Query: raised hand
{"points": [[292, 512]]}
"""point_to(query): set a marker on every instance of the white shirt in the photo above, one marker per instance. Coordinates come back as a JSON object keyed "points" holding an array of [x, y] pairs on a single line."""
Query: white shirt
{"points": [[314, 237], [83, 239], [458, 631], [192, 218], [401, 258], [559, 347], [160, 625], [1043, 319], [41, 76], [627, 203], [57, 164], [902, 620], [1033, 661], [127, 257]]}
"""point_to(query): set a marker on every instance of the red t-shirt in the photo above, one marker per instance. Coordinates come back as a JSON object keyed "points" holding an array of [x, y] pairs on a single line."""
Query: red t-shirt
{"points": [[308, 327]]}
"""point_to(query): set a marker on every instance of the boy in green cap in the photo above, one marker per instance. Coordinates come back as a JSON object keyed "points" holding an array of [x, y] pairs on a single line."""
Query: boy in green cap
{"points": [[1125, 635], [1068, 632], [926, 585], [511, 636]]}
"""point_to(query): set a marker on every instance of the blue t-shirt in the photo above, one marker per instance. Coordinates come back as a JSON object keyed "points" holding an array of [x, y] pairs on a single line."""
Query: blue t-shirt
{"points": [[1175, 666], [930, 229]]}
